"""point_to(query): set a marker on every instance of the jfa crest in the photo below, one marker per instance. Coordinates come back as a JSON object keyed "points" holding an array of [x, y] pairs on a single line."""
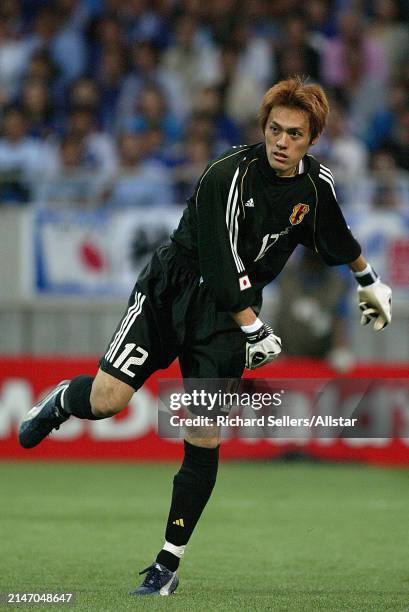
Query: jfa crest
{"points": [[298, 214]]}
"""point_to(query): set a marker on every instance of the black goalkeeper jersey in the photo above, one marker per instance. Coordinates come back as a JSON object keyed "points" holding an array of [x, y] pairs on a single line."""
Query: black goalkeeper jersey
{"points": [[243, 222]]}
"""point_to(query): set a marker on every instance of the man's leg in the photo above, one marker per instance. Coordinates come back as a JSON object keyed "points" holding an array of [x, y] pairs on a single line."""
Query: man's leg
{"points": [[84, 397], [192, 487], [95, 398], [133, 354], [221, 357]]}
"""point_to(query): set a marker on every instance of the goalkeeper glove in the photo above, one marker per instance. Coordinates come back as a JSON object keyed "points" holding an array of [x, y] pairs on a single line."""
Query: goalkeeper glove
{"points": [[375, 299], [262, 346]]}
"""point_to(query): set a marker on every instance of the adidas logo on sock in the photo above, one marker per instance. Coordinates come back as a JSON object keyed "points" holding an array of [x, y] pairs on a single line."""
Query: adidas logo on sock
{"points": [[250, 203], [179, 522]]}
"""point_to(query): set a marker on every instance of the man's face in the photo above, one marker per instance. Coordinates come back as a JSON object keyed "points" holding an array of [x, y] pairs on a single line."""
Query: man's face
{"points": [[288, 139], [14, 126]]}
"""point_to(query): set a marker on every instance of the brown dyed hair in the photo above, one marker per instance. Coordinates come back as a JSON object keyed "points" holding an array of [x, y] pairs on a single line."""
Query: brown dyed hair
{"points": [[296, 93]]}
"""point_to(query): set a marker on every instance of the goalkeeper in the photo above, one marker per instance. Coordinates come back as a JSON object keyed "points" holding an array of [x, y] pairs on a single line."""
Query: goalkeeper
{"points": [[199, 297]]}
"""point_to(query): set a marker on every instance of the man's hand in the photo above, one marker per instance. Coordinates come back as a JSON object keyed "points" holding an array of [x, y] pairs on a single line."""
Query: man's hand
{"points": [[375, 302], [262, 346]]}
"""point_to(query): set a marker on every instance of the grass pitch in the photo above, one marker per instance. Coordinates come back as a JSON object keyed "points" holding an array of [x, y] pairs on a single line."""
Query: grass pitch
{"points": [[275, 536]]}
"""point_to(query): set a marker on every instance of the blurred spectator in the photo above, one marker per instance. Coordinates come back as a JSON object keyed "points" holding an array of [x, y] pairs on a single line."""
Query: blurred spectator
{"points": [[38, 110], [312, 310], [385, 182], [398, 143], [190, 57], [146, 70], [386, 220], [42, 69], [383, 123], [94, 8], [296, 55], [139, 181], [241, 92], [222, 16], [194, 8], [258, 15], [281, 9], [391, 35], [154, 146], [71, 184], [14, 54], [22, 158], [209, 102], [188, 171], [75, 14], [142, 22], [111, 74], [352, 41], [345, 154], [53, 31], [201, 127], [84, 95], [355, 65], [319, 23], [252, 132], [151, 112], [364, 95], [255, 54], [11, 12], [104, 33], [403, 76], [99, 147]]}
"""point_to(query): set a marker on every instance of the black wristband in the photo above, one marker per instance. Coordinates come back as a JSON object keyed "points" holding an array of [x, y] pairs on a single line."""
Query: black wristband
{"points": [[367, 276], [259, 335]]}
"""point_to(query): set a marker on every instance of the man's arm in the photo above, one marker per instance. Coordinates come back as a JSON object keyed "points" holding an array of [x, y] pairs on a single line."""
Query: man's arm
{"points": [[219, 227], [359, 264], [262, 345], [332, 238], [375, 298], [223, 270], [337, 245], [244, 317]]}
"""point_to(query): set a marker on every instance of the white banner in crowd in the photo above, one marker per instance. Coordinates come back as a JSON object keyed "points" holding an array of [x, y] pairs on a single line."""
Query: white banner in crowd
{"points": [[102, 252], [98, 252]]}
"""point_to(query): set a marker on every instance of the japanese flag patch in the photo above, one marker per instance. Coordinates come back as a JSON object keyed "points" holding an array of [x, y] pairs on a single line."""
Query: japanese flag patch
{"points": [[244, 283]]}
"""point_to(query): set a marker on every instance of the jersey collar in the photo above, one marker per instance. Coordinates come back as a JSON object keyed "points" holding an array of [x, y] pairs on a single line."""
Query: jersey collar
{"points": [[268, 171]]}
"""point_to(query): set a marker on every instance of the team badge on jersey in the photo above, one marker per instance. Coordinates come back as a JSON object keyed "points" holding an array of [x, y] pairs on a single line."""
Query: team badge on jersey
{"points": [[298, 214]]}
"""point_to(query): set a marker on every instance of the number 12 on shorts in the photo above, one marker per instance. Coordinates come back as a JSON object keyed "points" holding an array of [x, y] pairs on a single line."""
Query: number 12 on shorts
{"points": [[137, 360]]}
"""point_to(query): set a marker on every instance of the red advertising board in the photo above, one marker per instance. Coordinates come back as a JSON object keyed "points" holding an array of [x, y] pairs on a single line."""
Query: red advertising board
{"points": [[397, 258], [132, 435]]}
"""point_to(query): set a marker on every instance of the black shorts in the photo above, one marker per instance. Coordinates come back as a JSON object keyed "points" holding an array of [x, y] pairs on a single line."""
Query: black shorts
{"points": [[171, 314]]}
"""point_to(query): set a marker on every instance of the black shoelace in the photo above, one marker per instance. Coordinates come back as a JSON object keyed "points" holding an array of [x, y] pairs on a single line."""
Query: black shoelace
{"points": [[153, 578]]}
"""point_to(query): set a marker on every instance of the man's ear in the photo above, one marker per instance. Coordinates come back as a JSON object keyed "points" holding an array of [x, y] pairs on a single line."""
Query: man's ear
{"points": [[315, 139]]}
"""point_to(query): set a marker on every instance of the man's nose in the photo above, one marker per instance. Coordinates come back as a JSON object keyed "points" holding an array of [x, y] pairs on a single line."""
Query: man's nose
{"points": [[282, 142]]}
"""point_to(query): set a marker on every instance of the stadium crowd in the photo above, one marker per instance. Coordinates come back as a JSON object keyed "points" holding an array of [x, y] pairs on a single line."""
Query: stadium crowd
{"points": [[123, 102]]}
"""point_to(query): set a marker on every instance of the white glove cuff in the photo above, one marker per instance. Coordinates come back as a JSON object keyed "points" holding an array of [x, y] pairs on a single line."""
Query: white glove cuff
{"points": [[250, 329], [366, 277]]}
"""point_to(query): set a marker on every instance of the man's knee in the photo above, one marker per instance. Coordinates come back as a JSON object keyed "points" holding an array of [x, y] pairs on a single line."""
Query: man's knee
{"points": [[109, 395], [204, 442], [204, 437]]}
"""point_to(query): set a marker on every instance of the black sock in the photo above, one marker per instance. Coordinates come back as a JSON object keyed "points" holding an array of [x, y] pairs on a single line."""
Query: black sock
{"points": [[192, 487], [77, 398], [171, 562]]}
